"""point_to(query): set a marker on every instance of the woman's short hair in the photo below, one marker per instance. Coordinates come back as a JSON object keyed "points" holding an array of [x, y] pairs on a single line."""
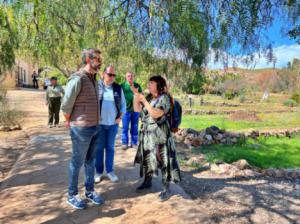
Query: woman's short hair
{"points": [[160, 82]]}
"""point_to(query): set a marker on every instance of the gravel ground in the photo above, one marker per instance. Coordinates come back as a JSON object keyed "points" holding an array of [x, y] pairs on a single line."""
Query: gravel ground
{"points": [[244, 200]]}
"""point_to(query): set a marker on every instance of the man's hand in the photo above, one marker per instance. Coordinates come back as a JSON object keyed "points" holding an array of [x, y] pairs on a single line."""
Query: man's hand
{"points": [[118, 120], [67, 124]]}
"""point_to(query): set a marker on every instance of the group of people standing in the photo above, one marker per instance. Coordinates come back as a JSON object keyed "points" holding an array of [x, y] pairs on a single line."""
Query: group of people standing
{"points": [[93, 110]]}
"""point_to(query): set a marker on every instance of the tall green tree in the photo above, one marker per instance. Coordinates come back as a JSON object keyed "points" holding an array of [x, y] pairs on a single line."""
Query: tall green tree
{"points": [[8, 39], [145, 35]]}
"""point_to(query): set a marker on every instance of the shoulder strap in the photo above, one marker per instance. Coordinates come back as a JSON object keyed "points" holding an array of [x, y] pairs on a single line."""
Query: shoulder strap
{"points": [[117, 97], [156, 102], [100, 92]]}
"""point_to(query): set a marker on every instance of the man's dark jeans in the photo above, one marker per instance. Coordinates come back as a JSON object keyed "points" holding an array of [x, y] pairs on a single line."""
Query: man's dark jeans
{"points": [[35, 83], [84, 145], [107, 135], [131, 118], [53, 109]]}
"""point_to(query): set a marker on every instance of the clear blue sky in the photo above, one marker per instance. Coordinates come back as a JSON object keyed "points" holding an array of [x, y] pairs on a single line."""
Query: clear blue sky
{"points": [[284, 48]]}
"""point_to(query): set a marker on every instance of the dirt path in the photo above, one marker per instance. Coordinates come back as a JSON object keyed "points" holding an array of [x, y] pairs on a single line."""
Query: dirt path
{"points": [[35, 189]]}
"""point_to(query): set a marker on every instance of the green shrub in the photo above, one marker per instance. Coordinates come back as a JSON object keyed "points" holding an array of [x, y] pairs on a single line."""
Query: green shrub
{"points": [[8, 116], [194, 84], [296, 97], [61, 79], [290, 103], [242, 98], [229, 95], [2, 98], [230, 88]]}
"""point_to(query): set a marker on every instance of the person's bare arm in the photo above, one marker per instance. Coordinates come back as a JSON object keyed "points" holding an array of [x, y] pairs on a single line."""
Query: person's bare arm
{"points": [[153, 112], [67, 118], [137, 107]]}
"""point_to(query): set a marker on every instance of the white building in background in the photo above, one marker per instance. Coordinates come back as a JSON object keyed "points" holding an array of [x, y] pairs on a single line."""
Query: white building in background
{"points": [[23, 73]]}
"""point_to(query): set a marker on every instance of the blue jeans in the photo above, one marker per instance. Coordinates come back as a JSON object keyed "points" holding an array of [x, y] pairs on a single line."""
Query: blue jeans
{"points": [[107, 136], [133, 118], [84, 145]]}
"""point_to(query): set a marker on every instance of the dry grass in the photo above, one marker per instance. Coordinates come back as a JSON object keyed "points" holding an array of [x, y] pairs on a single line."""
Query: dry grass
{"points": [[252, 103], [8, 116], [244, 116]]}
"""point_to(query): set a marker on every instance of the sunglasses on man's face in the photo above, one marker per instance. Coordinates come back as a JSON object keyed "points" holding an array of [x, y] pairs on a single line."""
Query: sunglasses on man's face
{"points": [[111, 75]]}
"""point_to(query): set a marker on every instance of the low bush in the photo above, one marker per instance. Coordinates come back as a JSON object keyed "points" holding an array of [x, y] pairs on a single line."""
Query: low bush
{"points": [[8, 116], [296, 97], [229, 94], [242, 98], [290, 103]]}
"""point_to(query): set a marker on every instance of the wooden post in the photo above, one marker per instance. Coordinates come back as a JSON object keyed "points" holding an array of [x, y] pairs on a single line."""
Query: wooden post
{"points": [[190, 101]]}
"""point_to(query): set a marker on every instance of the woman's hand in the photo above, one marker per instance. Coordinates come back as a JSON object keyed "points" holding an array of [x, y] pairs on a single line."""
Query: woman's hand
{"points": [[154, 112], [67, 124], [140, 97], [133, 89]]}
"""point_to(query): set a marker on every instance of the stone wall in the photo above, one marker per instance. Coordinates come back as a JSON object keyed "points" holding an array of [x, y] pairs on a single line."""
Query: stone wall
{"points": [[210, 112], [214, 135], [240, 168]]}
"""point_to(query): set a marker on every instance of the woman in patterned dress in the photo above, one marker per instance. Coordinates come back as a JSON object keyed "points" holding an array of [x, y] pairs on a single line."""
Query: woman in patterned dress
{"points": [[156, 149]]}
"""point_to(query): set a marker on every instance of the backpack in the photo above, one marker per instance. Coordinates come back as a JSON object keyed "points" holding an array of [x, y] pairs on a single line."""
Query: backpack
{"points": [[175, 115]]}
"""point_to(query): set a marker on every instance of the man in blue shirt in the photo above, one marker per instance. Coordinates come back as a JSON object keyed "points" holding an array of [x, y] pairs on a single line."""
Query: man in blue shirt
{"points": [[112, 107]]}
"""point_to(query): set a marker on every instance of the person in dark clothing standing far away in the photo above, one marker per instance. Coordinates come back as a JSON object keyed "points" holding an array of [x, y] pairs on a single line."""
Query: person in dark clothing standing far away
{"points": [[130, 117], [53, 100], [156, 147], [112, 107], [81, 110], [34, 77]]}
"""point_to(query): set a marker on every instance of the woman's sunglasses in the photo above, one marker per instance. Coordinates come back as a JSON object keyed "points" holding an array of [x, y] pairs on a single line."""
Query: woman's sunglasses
{"points": [[111, 75]]}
